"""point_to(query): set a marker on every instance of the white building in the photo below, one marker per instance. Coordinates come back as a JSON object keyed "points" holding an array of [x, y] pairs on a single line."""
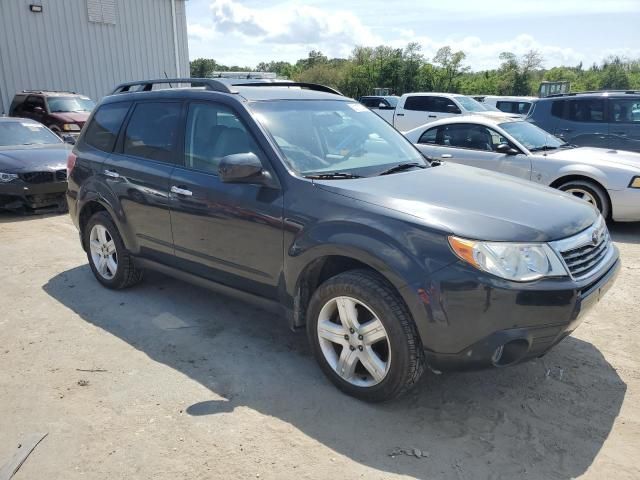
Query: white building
{"points": [[89, 46]]}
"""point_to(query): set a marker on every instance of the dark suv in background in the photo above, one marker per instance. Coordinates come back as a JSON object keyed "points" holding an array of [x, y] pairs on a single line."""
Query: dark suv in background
{"points": [[63, 112], [304, 201], [591, 119]]}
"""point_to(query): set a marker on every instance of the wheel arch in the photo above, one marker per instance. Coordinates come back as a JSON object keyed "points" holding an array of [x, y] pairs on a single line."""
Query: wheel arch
{"points": [[93, 204], [585, 178]]}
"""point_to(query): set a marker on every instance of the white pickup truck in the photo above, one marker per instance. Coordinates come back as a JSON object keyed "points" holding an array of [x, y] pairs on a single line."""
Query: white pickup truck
{"points": [[414, 109]]}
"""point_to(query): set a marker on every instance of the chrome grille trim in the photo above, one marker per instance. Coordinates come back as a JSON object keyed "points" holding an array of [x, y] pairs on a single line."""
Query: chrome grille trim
{"points": [[585, 253]]}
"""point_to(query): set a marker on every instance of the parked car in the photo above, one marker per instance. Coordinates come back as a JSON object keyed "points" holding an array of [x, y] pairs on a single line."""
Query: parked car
{"points": [[33, 171], [383, 105], [608, 180], [62, 112], [300, 199], [415, 109], [515, 105], [592, 119]]}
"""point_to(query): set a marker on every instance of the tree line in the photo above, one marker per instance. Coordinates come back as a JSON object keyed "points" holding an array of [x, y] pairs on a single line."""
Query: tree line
{"points": [[404, 70]]}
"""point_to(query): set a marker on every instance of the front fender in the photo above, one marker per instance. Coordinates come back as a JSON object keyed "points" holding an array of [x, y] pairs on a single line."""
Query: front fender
{"points": [[606, 179]]}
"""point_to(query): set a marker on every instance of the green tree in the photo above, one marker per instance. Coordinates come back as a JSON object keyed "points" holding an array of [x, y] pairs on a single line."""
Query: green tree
{"points": [[202, 67], [450, 69]]}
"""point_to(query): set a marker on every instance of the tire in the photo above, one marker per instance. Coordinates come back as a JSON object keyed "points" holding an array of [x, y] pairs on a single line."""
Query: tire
{"points": [[126, 272], [589, 191], [400, 352]]}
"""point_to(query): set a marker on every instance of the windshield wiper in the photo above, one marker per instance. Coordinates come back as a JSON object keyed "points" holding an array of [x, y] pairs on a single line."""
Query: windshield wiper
{"points": [[543, 148], [402, 166], [332, 175]]}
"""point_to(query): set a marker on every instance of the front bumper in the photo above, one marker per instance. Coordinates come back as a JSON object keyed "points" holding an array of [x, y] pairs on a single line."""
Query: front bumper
{"points": [[464, 316], [18, 193], [625, 205]]}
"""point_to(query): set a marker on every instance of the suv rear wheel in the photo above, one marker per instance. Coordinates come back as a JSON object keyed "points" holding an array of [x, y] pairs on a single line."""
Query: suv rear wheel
{"points": [[110, 261], [363, 337], [589, 192]]}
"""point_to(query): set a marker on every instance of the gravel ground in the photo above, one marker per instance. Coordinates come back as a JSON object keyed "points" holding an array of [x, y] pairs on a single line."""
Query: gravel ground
{"points": [[170, 381]]}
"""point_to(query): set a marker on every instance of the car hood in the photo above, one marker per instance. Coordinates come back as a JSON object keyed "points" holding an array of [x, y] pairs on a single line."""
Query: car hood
{"points": [[597, 156], [30, 158], [473, 203], [71, 117]]}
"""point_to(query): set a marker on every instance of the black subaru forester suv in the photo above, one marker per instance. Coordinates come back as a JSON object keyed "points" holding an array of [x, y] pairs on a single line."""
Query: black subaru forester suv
{"points": [[300, 199]]}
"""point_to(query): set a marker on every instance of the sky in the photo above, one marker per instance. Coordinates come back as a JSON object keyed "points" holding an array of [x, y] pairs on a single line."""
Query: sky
{"points": [[565, 32]]}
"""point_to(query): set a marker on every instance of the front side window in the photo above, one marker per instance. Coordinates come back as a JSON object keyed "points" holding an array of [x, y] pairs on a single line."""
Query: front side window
{"points": [[469, 136], [334, 136], [26, 132], [444, 105], [32, 102], [102, 131], [214, 131], [625, 111], [429, 137], [585, 110], [469, 104], [152, 131]]}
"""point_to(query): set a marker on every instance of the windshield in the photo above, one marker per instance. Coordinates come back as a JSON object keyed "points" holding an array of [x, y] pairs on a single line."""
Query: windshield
{"points": [[470, 104], [532, 137], [26, 133], [70, 104], [334, 137], [393, 101]]}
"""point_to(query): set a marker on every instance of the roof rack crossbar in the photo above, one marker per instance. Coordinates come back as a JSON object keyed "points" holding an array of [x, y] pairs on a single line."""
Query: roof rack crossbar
{"points": [[309, 86], [147, 85]]}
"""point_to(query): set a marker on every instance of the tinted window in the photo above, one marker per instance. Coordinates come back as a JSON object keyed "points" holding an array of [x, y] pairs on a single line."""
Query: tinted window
{"points": [[33, 102], [214, 131], [103, 130], [152, 131], [625, 110], [585, 110], [429, 136], [424, 104], [444, 105], [557, 108], [370, 102], [475, 137]]}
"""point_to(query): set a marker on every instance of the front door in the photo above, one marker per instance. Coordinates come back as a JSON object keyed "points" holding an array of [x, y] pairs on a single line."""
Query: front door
{"points": [[624, 123], [229, 233]]}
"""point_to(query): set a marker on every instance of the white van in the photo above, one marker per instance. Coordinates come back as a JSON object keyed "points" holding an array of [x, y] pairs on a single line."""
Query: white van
{"points": [[515, 105]]}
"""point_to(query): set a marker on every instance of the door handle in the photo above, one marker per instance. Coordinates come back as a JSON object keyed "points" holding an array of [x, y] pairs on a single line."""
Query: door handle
{"points": [[112, 173], [446, 155], [181, 191], [432, 116]]}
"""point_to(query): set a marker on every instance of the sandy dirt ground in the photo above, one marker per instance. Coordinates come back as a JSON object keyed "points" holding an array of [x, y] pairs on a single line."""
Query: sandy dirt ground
{"points": [[187, 384]]}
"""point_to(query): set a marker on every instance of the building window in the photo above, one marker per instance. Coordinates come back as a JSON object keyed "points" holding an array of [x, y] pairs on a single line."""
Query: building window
{"points": [[102, 11]]}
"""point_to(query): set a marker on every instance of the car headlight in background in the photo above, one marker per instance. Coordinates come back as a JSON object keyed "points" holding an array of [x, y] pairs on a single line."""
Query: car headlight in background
{"points": [[7, 177], [71, 127], [635, 182], [519, 262]]}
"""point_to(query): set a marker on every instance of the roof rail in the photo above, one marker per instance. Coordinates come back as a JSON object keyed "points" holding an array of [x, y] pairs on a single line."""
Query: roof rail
{"points": [[240, 75], [147, 85], [48, 91], [572, 94], [309, 86]]}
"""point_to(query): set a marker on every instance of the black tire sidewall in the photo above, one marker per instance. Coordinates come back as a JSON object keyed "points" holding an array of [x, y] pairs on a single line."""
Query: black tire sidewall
{"points": [[347, 285], [595, 190], [102, 218]]}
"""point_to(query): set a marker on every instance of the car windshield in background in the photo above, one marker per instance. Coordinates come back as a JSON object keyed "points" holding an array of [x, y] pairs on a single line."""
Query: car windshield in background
{"points": [[70, 104], [532, 137], [470, 104], [26, 133], [393, 101], [335, 138]]}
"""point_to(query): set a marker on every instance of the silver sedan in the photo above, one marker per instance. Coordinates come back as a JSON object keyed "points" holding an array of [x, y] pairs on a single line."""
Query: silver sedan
{"points": [[608, 179]]}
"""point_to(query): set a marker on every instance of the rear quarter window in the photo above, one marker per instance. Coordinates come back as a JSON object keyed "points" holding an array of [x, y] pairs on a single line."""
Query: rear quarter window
{"points": [[103, 129]]}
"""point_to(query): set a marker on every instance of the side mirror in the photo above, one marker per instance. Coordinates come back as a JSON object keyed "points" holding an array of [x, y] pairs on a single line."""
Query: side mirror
{"points": [[506, 149], [68, 139], [243, 168], [452, 109]]}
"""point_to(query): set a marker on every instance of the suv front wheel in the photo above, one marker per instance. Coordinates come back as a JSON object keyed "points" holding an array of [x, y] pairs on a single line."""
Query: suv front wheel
{"points": [[363, 336], [109, 259]]}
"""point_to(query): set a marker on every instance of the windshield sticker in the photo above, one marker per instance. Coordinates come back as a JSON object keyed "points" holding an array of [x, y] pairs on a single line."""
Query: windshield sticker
{"points": [[358, 107]]}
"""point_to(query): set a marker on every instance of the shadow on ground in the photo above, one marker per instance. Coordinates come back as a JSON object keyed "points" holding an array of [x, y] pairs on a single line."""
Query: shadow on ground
{"points": [[625, 232], [545, 419], [7, 216]]}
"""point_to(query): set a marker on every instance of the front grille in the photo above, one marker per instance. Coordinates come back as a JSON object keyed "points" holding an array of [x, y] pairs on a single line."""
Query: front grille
{"points": [[38, 177], [584, 253], [61, 175]]}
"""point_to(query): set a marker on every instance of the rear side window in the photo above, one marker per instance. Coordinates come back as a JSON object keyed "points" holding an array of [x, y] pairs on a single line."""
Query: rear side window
{"points": [[557, 108], [103, 130], [585, 110], [420, 103], [152, 131]]}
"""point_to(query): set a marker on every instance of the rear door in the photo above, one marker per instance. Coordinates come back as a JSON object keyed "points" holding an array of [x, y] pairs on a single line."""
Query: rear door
{"points": [[624, 123], [415, 111], [583, 121], [226, 232], [473, 145], [138, 174]]}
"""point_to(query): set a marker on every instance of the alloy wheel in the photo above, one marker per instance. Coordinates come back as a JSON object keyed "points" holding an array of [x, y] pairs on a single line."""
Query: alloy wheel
{"points": [[354, 341], [103, 252], [583, 195]]}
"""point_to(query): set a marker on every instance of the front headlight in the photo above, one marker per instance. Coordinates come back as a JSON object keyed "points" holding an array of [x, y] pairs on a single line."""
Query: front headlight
{"points": [[7, 177], [520, 262], [71, 127]]}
